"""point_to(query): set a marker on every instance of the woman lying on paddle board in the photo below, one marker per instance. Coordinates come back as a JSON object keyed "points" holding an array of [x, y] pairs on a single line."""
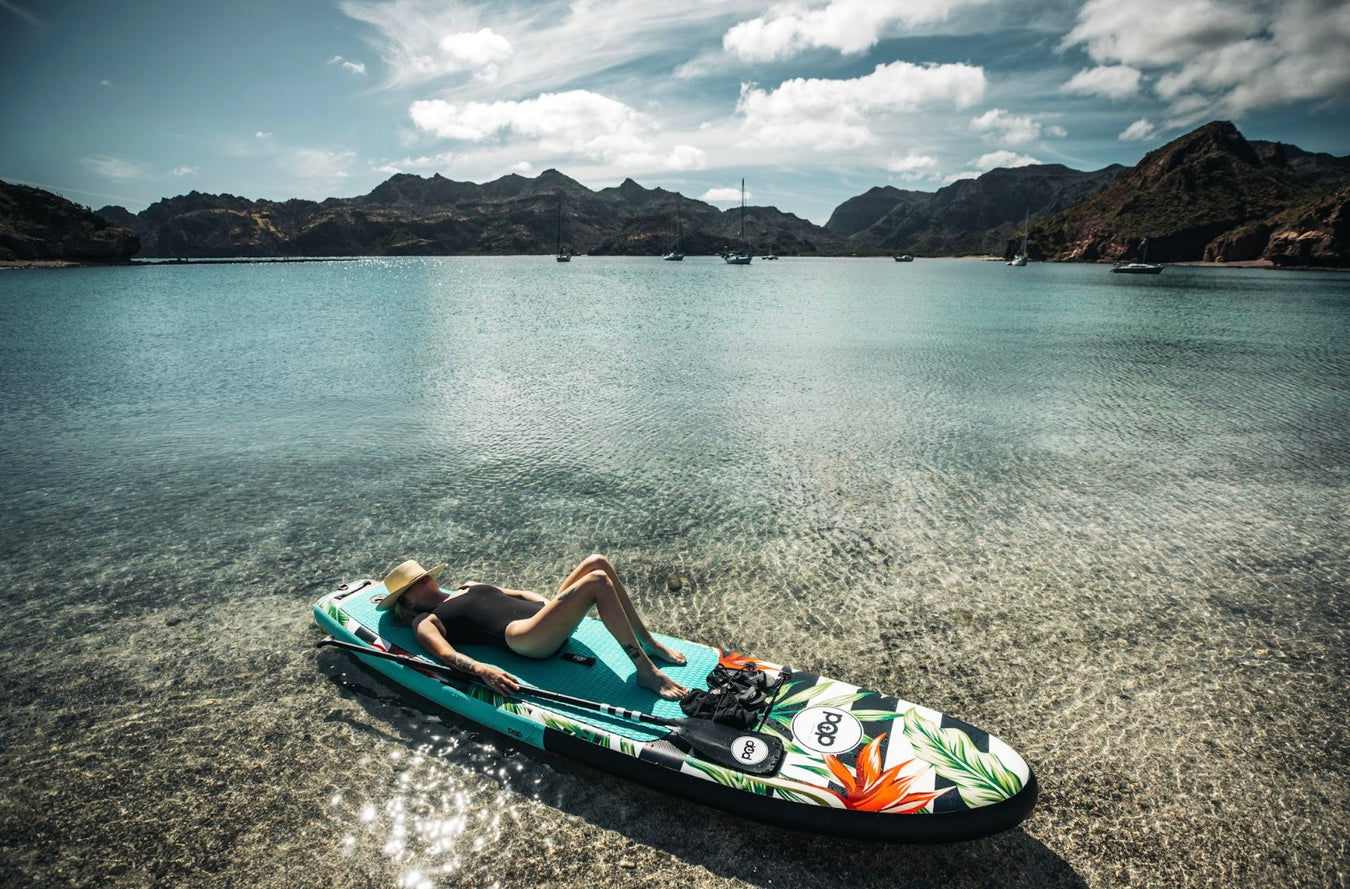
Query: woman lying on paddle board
{"points": [[524, 622]]}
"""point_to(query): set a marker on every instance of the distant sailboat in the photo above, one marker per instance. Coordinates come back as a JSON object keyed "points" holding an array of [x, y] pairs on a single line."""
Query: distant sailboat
{"points": [[1020, 259], [675, 255], [562, 256], [741, 256], [1143, 267]]}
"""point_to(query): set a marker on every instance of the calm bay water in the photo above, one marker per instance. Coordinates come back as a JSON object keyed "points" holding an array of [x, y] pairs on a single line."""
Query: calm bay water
{"points": [[1103, 517]]}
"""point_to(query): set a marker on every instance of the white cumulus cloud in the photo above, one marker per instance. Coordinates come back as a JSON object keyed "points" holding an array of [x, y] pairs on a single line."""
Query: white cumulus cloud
{"points": [[913, 166], [992, 161], [1223, 58], [731, 195], [184, 170], [1011, 129], [848, 26], [1107, 81], [469, 50], [577, 122], [686, 157], [830, 115], [995, 159], [1139, 131]]}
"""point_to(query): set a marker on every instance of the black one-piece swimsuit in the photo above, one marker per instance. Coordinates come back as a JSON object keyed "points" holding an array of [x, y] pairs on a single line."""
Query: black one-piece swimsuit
{"points": [[479, 615]]}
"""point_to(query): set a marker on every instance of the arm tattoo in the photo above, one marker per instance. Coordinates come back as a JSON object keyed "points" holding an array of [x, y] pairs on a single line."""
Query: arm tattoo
{"points": [[633, 652]]}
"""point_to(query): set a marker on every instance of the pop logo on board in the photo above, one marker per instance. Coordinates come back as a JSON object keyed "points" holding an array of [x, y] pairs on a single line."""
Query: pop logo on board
{"points": [[826, 730], [750, 750]]}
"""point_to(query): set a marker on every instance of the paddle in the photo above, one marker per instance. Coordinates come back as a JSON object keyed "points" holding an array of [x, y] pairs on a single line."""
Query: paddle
{"points": [[754, 753]]}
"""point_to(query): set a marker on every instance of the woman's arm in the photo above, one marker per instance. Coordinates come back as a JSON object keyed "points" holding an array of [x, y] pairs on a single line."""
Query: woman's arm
{"points": [[431, 634]]}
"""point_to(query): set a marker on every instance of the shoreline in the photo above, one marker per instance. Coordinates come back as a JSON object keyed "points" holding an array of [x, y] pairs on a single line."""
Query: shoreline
{"points": [[81, 263], [7, 264]]}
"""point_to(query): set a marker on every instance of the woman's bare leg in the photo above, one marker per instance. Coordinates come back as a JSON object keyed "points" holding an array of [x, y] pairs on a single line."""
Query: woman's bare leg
{"points": [[598, 562], [542, 634]]}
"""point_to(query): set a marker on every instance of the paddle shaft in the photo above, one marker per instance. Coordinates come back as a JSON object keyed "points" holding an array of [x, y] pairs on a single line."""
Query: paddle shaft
{"points": [[419, 664], [743, 750]]}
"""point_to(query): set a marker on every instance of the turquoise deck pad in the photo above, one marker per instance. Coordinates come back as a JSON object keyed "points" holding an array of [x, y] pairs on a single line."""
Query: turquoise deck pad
{"points": [[610, 680]]}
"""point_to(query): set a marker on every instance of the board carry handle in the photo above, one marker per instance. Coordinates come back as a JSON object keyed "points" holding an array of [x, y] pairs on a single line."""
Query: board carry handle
{"points": [[745, 750]]}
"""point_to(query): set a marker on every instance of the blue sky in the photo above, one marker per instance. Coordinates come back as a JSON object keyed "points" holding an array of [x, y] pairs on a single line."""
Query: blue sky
{"points": [[812, 101]]}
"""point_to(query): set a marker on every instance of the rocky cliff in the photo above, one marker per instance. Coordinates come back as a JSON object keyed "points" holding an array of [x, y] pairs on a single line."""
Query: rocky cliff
{"points": [[1317, 235], [1209, 195], [38, 225]]}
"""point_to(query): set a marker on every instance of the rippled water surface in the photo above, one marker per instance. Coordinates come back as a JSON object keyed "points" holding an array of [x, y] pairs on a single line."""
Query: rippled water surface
{"points": [[1104, 519]]}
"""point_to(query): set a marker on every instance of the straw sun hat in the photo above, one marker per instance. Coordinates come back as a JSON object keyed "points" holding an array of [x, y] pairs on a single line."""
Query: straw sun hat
{"points": [[402, 577]]}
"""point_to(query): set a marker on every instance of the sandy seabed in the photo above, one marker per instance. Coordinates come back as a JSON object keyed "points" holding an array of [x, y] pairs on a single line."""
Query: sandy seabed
{"points": [[1178, 742]]}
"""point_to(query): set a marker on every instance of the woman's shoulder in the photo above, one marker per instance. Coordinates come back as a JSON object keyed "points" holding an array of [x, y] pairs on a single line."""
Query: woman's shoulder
{"points": [[425, 616]]}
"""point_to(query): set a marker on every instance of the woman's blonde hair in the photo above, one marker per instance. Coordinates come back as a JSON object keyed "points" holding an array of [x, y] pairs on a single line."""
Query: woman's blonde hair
{"points": [[403, 613]]}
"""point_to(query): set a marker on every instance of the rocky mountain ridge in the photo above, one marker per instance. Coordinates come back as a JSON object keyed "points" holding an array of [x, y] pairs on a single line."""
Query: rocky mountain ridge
{"points": [[1208, 195], [970, 216], [38, 225], [412, 215]]}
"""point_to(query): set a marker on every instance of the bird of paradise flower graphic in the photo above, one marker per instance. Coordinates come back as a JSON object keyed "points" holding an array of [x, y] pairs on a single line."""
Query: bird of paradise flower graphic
{"points": [[734, 660], [873, 789]]}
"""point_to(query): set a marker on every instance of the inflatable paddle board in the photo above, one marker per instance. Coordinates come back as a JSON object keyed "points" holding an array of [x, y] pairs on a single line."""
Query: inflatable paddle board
{"points": [[821, 755]]}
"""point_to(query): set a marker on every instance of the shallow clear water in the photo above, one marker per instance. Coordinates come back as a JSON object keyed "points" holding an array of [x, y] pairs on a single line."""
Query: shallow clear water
{"points": [[1102, 518]]}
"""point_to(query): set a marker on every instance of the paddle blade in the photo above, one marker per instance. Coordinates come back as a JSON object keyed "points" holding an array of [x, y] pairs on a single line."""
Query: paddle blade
{"points": [[754, 753]]}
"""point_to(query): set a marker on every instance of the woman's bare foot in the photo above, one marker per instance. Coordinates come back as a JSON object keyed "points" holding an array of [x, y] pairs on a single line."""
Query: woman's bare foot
{"points": [[663, 685], [663, 653]]}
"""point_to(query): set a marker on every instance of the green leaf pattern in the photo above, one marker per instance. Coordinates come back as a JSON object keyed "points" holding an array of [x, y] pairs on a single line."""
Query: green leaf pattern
{"points": [[791, 791], [981, 778], [566, 726], [337, 614], [728, 778], [819, 694], [804, 766]]}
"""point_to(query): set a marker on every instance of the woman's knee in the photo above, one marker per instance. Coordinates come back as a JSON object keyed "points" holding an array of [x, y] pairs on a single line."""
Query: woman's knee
{"points": [[597, 562], [598, 584]]}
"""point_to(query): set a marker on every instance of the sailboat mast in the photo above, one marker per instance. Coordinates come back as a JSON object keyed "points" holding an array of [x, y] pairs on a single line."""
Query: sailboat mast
{"points": [[742, 213]]}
